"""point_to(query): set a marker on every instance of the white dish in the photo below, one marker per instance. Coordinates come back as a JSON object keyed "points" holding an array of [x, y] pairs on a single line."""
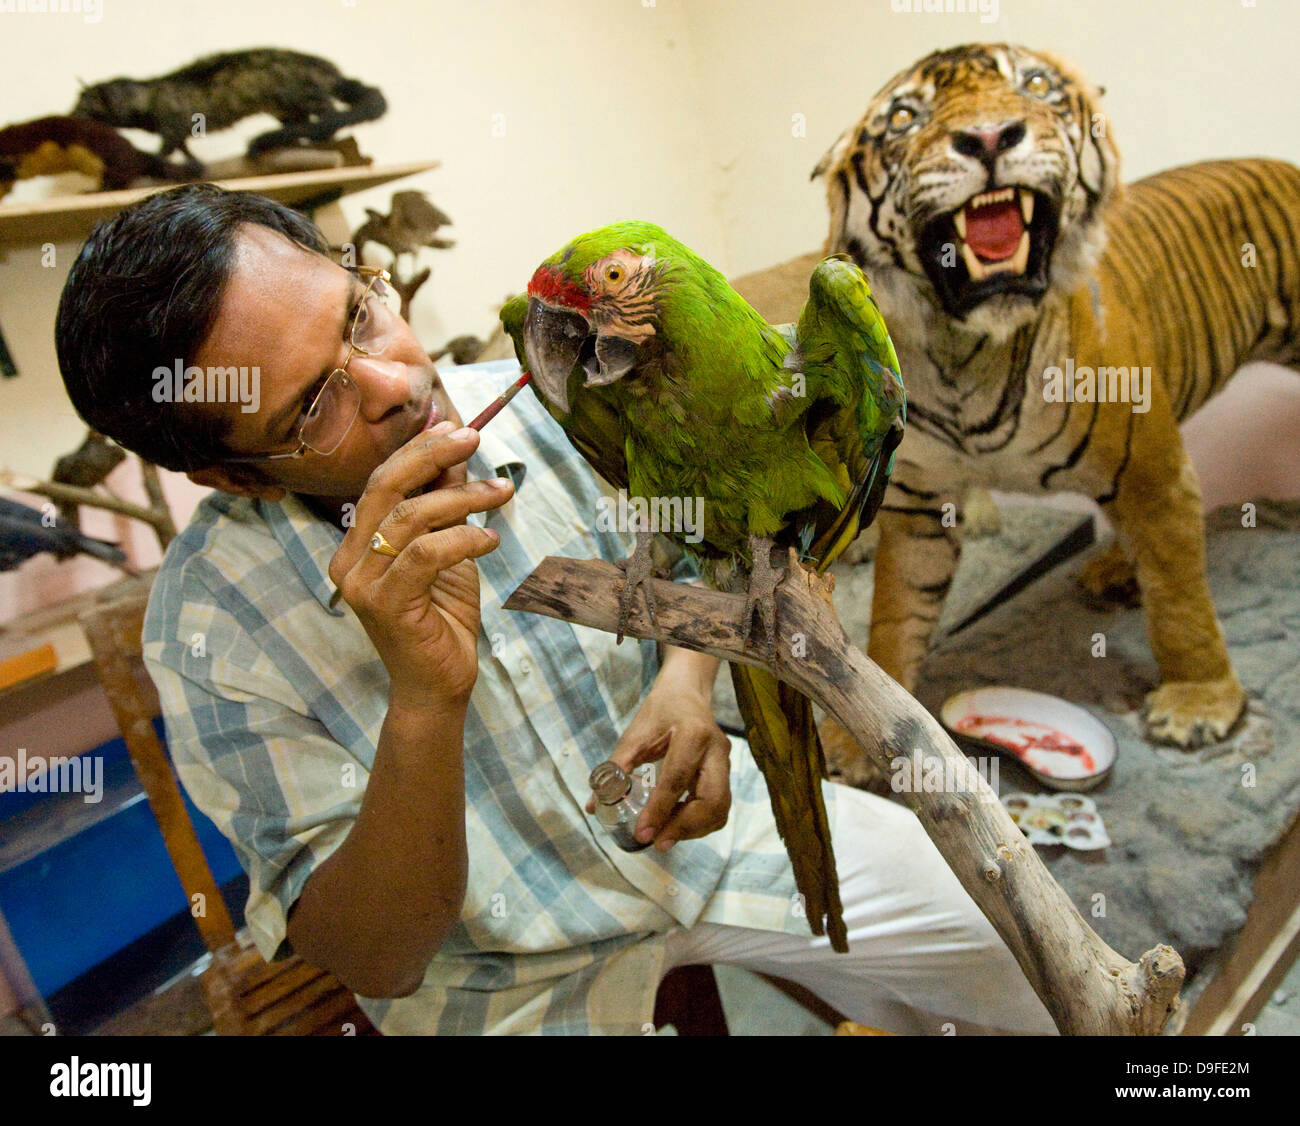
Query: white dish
{"points": [[1058, 743]]}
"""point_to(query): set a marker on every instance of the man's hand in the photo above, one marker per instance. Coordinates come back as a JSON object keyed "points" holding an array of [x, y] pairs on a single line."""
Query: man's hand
{"points": [[421, 608], [675, 727]]}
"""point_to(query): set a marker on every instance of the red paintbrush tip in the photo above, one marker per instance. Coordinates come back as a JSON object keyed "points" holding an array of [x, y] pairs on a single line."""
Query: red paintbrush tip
{"points": [[494, 407]]}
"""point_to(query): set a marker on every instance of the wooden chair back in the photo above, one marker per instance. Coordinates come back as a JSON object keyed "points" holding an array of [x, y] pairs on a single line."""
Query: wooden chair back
{"points": [[247, 996]]}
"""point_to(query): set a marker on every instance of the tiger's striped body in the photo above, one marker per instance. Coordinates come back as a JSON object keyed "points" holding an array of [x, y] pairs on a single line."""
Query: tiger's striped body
{"points": [[1170, 283]]}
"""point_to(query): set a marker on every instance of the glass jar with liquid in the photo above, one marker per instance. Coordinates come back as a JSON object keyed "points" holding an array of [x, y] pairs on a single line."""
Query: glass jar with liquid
{"points": [[620, 798]]}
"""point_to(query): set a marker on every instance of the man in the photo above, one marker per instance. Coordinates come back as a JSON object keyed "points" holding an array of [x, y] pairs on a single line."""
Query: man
{"points": [[404, 774]]}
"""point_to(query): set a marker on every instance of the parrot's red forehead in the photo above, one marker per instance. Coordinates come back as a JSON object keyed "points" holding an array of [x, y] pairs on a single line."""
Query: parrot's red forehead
{"points": [[551, 286]]}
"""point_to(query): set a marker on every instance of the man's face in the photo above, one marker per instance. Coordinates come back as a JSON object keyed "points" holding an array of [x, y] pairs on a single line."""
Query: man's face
{"points": [[287, 312]]}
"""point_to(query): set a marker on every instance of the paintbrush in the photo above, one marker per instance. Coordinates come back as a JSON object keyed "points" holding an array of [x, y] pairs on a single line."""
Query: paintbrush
{"points": [[488, 413]]}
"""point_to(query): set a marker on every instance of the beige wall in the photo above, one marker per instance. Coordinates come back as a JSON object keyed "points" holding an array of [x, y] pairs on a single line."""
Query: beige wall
{"points": [[677, 112], [671, 111]]}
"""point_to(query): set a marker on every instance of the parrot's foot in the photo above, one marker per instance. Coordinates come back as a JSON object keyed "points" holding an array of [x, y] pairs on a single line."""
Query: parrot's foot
{"points": [[1190, 714], [760, 597], [638, 569]]}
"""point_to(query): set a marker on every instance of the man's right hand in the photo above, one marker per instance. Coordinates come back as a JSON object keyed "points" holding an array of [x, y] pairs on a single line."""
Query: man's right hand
{"points": [[421, 608]]}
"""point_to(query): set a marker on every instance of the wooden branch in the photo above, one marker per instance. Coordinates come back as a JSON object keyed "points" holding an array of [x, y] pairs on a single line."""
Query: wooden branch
{"points": [[164, 526], [1087, 987], [159, 518]]}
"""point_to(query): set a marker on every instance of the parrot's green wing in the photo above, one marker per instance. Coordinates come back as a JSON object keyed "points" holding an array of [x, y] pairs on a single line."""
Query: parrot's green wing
{"points": [[849, 361], [595, 426]]}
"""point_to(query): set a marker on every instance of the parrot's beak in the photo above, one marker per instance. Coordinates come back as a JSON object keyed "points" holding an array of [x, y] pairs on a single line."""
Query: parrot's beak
{"points": [[553, 340], [556, 340]]}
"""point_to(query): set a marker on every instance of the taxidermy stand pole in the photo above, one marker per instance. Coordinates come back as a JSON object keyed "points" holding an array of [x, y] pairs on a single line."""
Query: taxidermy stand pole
{"points": [[1089, 989]]}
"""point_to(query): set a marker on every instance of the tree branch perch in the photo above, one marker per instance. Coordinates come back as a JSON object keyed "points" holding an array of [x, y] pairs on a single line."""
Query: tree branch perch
{"points": [[1087, 987]]}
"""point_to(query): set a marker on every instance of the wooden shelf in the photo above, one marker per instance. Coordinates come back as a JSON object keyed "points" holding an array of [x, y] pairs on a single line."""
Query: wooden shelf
{"points": [[68, 217]]}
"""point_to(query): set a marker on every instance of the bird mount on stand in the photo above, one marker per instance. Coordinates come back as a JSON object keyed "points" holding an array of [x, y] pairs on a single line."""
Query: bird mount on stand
{"points": [[412, 223], [157, 515], [1088, 988]]}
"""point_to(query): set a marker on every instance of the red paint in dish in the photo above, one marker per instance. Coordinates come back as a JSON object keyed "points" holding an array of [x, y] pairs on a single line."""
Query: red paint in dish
{"points": [[1030, 736]]}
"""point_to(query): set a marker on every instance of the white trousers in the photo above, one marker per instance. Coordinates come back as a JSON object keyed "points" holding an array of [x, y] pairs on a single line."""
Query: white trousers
{"points": [[922, 960]]}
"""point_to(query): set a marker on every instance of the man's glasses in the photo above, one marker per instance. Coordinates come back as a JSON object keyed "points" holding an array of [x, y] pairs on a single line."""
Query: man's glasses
{"points": [[326, 422]]}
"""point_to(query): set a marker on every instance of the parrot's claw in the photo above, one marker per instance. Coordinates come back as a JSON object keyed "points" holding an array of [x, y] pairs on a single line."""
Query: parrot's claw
{"points": [[760, 597], [638, 569]]}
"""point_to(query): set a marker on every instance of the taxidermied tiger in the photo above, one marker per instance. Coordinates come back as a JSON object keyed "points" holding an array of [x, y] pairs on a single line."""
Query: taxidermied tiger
{"points": [[1026, 292], [299, 91]]}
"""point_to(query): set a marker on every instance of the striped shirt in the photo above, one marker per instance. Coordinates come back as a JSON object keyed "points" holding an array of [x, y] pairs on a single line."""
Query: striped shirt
{"points": [[274, 702]]}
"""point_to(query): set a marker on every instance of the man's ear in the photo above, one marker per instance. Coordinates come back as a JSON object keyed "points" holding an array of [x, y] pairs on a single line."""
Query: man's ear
{"points": [[237, 479]]}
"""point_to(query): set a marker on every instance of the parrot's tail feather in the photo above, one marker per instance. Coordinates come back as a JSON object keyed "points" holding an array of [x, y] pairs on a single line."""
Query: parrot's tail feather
{"points": [[783, 737]]}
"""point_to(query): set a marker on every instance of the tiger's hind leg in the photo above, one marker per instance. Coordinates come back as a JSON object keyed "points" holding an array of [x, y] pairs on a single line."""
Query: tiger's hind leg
{"points": [[1158, 505]]}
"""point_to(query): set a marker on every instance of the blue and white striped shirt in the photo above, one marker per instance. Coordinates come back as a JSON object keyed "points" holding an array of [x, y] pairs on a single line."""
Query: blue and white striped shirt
{"points": [[274, 703]]}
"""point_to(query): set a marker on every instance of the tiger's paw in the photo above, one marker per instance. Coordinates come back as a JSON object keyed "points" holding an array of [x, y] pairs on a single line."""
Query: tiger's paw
{"points": [[1111, 577], [848, 763], [979, 514], [1190, 714]]}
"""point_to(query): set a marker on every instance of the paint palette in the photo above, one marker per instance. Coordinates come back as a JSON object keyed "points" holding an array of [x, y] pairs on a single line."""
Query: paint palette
{"points": [[1062, 746], [1065, 819]]}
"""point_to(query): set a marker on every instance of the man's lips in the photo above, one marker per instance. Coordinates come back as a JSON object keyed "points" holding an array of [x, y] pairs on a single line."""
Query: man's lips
{"points": [[435, 417]]}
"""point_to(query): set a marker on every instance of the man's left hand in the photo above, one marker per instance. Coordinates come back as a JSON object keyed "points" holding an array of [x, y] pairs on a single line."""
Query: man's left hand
{"points": [[675, 728]]}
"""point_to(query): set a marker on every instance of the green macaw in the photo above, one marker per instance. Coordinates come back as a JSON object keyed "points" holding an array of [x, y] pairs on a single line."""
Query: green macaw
{"points": [[671, 385]]}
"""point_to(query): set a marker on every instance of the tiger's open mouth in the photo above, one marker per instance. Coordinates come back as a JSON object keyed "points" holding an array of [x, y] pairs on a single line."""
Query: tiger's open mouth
{"points": [[999, 241]]}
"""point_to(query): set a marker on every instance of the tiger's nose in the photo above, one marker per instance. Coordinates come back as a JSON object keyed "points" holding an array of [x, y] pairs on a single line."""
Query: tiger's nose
{"points": [[981, 144]]}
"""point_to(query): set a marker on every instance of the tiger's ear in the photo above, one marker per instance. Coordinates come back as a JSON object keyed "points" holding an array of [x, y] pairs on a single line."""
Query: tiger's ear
{"points": [[834, 154]]}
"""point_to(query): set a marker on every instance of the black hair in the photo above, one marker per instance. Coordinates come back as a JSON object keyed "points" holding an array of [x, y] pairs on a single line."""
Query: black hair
{"points": [[143, 294]]}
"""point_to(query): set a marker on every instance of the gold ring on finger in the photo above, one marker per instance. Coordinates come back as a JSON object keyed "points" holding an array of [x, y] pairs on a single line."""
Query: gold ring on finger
{"points": [[381, 546]]}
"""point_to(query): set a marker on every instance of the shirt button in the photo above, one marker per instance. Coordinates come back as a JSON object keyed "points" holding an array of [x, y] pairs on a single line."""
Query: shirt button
{"points": [[672, 889], [525, 666]]}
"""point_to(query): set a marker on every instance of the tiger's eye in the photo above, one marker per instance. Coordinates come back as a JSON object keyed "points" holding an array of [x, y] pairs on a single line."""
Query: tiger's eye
{"points": [[901, 118], [1037, 85]]}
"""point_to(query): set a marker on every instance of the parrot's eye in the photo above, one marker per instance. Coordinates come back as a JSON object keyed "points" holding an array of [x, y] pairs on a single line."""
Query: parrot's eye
{"points": [[1037, 84], [613, 273], [901, 118]]}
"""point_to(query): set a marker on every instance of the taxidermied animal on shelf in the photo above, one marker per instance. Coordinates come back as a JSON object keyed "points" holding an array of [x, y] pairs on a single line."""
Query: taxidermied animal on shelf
{"points": [[674, 388], [26, 533], [86, 467], [1054, 329], [48, 146], [411, 223], [300, 91]]}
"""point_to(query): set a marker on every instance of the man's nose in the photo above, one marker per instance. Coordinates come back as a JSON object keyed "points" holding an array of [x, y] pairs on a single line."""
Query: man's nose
{"points": [[384, 384], [988, 143]]}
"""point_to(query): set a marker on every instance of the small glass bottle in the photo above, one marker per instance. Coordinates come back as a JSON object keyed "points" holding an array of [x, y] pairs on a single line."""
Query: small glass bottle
{"points": [[619, 800]]}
